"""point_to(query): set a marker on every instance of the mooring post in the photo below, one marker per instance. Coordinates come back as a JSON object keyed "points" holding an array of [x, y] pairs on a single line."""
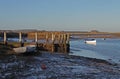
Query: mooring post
{"points": [[5, 38], [20, 39]]}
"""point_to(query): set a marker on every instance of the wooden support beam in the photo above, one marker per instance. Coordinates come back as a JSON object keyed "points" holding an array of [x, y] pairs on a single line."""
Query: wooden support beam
{"points": [[36, 37], [20, 37], [53, 38], [59, 38], [5, 38], [68, 39], [62, 38], [47, 38], [53, 48]]}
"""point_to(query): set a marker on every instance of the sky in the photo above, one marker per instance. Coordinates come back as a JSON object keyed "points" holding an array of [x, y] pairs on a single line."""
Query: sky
{"points": [[60, 15]]}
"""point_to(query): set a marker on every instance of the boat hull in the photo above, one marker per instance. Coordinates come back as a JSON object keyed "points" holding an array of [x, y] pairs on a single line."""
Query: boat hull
{"points": [[30, 48], [90, 42]]}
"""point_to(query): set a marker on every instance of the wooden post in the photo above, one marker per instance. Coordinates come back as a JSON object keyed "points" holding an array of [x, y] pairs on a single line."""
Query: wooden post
{"points": [[36, 40], [53, 48], [36, 37], [64, 42], [20, 39], [59, 38], [68, 42], [62, 38], [68, 39], [53, 38], [5, 38], [46, 38]]}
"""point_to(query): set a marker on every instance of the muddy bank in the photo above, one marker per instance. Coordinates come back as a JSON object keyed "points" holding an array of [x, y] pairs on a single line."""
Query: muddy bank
{"points": [[56, 66]]}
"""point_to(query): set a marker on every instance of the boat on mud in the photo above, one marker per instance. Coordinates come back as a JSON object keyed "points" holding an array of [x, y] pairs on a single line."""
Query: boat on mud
{"points": [[29, 48]]}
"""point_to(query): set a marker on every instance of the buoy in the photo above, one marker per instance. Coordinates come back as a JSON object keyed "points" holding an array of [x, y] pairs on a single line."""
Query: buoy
{"points": [[43, 66]]}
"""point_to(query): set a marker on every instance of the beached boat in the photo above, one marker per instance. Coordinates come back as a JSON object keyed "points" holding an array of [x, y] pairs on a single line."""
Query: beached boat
{"points": [[90, 41], [29, 48]]}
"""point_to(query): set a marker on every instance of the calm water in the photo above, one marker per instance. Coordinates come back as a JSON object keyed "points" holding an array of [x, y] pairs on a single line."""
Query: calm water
{"points": [[108, 49]]}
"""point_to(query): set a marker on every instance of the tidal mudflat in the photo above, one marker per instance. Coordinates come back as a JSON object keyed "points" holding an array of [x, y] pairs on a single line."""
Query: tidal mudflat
{"points": [[56, 66]]}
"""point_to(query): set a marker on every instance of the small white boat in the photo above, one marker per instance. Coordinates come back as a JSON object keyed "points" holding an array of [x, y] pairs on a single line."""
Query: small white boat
{"points": [[90, 41], [29, 48]]}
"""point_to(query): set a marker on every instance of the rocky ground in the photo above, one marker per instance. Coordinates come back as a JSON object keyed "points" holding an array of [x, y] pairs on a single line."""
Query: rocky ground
{"points": [[56, 66]]}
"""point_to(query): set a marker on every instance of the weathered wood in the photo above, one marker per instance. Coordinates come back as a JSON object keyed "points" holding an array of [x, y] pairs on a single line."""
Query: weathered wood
{"points": [[20, 37], [47, 38], [5, 38], [36, 37], [62, 38], [68, 39], [53, 38], [47, 41]]}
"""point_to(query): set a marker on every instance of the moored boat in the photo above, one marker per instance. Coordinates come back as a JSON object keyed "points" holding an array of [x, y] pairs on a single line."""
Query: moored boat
{"points": [[29, 48], [90, 41]]}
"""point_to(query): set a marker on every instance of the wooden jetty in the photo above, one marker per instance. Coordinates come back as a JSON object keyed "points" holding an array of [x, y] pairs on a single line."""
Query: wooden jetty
{"points": [[44, 40]]}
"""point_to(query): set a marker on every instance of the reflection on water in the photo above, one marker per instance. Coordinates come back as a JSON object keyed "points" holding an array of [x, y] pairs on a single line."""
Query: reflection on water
{"points": [[104, 49]]}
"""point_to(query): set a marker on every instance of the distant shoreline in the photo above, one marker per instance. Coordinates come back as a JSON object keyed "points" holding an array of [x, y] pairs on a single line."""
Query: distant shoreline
{"points": [[83, 34]]}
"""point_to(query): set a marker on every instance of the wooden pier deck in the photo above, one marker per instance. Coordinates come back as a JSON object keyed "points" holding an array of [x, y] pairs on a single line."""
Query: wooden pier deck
{"points": [[44, 41]]}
